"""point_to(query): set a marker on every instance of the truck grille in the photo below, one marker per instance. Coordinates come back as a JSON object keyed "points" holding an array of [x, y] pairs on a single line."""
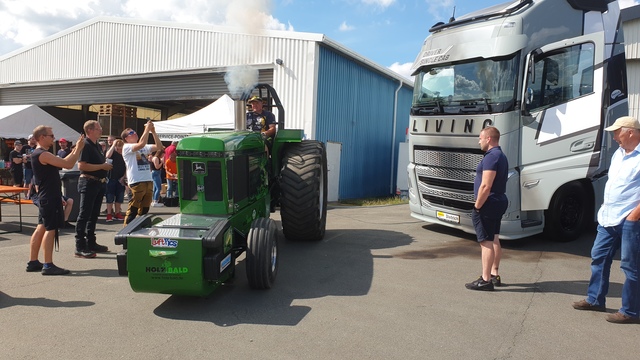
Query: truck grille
{"points": [[445, 177]]}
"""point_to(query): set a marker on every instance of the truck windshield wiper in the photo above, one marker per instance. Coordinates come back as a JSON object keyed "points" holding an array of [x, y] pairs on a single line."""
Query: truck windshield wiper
{"points": [[431, 107], [472, 105], [474, 101]]}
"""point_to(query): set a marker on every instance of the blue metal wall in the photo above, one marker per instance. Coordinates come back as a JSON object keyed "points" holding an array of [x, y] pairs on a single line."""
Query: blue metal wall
{"points": [[355, 107]]}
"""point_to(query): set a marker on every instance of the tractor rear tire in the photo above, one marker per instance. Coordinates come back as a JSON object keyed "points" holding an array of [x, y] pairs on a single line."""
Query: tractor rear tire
{"points": [[303, 189], [262, 254]]}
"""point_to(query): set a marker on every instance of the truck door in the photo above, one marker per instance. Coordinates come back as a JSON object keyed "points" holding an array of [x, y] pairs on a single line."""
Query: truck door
{"points": [[562, 99]]}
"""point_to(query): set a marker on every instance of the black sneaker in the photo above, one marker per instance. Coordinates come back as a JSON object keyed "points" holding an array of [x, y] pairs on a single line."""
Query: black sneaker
{"points": [[97, 248], [87, 254], [480, 284], [68, 225], [33, 266], [54, 270], [496, 280]]}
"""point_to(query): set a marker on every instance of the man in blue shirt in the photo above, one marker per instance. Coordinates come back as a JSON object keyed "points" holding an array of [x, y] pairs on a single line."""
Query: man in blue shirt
{"points": [[491, 203], [261, 120], [618, 227]]}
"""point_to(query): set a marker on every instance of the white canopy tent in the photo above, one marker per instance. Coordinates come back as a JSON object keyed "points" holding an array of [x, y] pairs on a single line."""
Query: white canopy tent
{"points": [[18, 122], [218, 115]]}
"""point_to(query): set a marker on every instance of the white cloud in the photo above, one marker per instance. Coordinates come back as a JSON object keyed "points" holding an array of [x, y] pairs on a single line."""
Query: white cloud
{"points": [[345, 27], [25, 22], [627, 3], [272, 23], [402, 69], [379, 3], [440, 8]]}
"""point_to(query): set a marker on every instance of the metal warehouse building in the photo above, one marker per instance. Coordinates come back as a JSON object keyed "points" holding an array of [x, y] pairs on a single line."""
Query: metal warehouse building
{"points": [[358, 108]]}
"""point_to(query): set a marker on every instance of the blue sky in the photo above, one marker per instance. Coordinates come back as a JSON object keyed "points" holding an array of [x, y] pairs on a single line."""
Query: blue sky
{"points": [[385, 31], [388, 32]]}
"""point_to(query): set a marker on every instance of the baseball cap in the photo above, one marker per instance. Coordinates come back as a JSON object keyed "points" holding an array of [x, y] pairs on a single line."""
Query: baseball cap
{"points": [[17, 142], [63, 140], [625, 121], [30, 137], [255, 98]]}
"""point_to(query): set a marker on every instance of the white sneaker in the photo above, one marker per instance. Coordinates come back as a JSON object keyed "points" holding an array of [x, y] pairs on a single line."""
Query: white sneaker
{"points": [[157, 204]]}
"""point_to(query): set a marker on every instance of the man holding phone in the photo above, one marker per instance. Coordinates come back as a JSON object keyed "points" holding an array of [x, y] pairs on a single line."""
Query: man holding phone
{"points": [[91, 186], [135, 153]]}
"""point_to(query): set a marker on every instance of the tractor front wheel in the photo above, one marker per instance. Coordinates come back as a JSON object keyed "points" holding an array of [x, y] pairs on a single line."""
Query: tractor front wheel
{"points": [[262, 254]]}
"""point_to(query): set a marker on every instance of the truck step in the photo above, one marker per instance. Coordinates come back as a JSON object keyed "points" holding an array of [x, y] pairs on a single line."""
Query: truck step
{"points": [[530, 223]]}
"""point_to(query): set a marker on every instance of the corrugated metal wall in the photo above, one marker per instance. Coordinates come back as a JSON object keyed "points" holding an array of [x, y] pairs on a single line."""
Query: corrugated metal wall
{"points": [[355, 108], [294, 81], [632, 53]]}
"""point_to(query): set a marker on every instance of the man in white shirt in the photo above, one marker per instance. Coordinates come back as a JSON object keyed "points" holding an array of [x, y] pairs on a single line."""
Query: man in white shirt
{"points": [[135, 153], [618, 227]]}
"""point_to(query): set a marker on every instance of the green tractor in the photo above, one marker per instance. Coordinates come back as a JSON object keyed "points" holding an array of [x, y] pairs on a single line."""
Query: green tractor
{"points": [[227, 186]]}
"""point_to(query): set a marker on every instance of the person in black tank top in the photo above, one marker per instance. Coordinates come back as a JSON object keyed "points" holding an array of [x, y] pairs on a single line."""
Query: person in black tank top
{"points": [[50, 217]]}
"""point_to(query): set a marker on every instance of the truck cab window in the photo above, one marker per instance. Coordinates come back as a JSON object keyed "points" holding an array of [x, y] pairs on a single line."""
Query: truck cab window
{"points": [[478, 86], [562, 75]]}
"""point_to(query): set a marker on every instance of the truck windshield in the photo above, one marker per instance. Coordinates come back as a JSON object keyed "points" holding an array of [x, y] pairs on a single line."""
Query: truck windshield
{"points": [[482, 86]]}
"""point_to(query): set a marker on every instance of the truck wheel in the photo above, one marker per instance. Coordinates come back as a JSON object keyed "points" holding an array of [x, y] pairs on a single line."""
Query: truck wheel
{"points": [[303, 189], [569, 213], [262, 254]]}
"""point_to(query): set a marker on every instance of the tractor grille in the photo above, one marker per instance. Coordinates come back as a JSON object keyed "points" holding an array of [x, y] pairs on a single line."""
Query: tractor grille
{"points": [[445, 177]]}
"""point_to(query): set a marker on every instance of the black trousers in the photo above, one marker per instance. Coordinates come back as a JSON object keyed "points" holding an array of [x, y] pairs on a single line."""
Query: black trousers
{"points": [[91, 194]]}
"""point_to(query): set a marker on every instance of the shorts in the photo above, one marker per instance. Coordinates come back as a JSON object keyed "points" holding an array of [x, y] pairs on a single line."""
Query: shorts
{"points": [[115, 192], [486, 227], [50, 214], [28, 176], [17, 176]]}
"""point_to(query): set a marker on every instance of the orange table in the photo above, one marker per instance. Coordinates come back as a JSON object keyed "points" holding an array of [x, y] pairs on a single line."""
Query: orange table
{"points": [[12, 194]]}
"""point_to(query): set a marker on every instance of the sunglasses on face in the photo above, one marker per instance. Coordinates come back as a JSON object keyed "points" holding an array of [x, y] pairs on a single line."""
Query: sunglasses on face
{"points": [[131, 133]]}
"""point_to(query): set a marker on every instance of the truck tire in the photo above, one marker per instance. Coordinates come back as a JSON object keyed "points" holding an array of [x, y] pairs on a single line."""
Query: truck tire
{"points": [[303, 191], [569, 213], [262, 254]]}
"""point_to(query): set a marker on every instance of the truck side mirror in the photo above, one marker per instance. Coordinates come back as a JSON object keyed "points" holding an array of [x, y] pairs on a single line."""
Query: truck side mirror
{"points": [[529, 96]]}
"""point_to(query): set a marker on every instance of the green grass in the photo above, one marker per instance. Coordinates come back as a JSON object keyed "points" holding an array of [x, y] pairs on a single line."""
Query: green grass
{"points": [[392, 200]]}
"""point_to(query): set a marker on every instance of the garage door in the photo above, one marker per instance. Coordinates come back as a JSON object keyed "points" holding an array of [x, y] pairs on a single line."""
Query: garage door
{"points": [[178, 87]]}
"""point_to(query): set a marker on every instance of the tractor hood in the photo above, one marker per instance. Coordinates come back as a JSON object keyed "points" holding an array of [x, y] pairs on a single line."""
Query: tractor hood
{"points": [[219, 142]]}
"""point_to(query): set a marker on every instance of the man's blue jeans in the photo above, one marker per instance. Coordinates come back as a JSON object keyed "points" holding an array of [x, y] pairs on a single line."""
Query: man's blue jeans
{"points": [[608, 240], [91, 194]]}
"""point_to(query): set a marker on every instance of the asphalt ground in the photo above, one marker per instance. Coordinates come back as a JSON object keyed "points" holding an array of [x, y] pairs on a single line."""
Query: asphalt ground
{"points": [[381, 285]]}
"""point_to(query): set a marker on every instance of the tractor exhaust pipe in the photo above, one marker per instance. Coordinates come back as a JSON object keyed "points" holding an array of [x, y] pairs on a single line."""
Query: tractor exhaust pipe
{"points": [[240, 110]]}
